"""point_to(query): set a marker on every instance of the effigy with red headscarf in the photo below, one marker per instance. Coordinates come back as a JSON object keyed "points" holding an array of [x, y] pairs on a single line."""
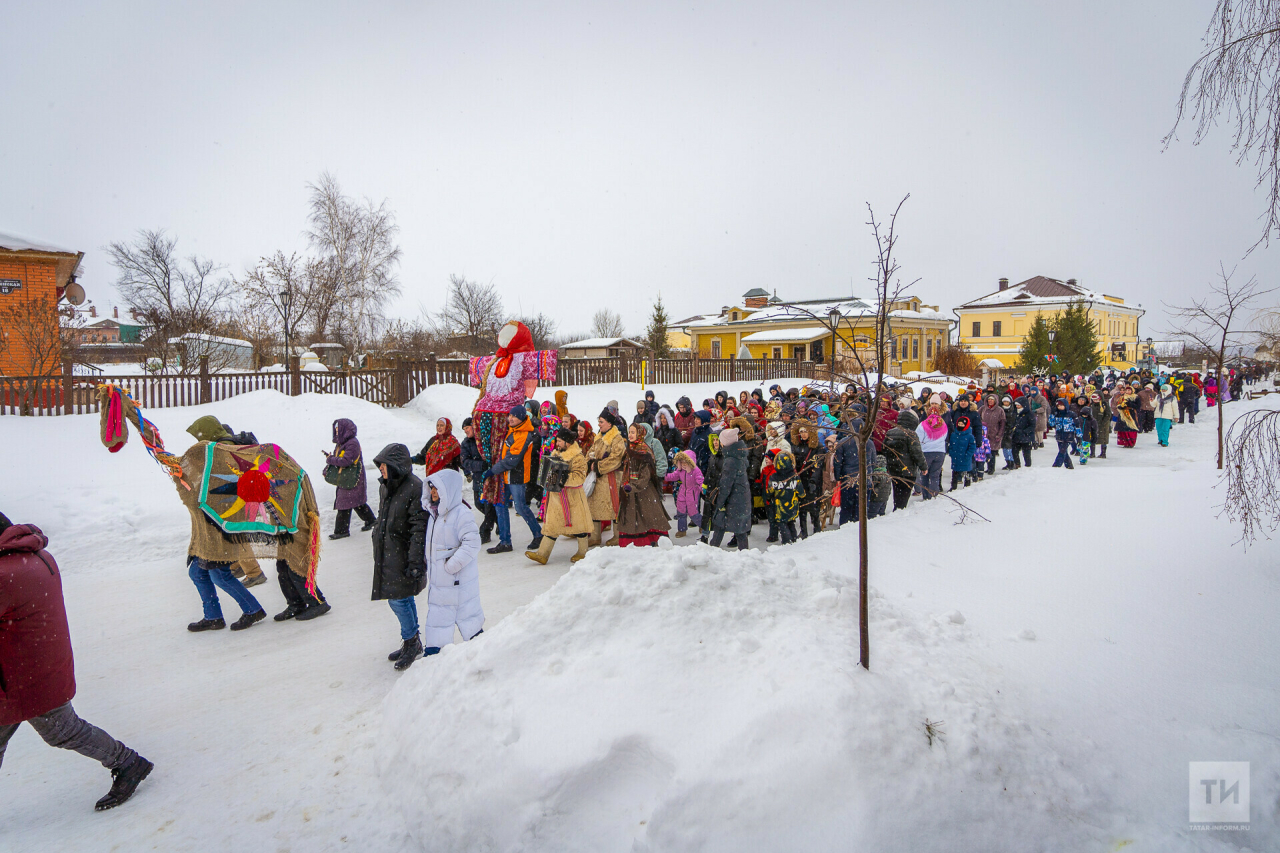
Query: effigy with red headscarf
{"points": [[505, 379]]}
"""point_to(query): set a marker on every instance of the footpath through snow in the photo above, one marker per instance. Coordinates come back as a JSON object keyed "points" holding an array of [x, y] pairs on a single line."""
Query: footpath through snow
{"points": [[1080, 649]]}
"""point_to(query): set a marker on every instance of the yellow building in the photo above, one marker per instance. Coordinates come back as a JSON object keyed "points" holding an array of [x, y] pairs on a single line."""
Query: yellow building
{"points": [[993, 327], [763, 326]]}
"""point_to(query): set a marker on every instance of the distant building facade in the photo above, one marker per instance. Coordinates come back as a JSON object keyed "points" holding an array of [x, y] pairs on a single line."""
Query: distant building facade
{"points": [[995, 326]]}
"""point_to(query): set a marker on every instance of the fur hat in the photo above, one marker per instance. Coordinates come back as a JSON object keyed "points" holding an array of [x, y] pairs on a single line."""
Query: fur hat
{"points": [[567, 435], [745, 430], [728, 437], [607, 414], [796, 426]]}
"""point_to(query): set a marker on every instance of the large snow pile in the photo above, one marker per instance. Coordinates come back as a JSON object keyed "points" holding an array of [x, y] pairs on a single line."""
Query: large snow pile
{"points": [[693, 699]]}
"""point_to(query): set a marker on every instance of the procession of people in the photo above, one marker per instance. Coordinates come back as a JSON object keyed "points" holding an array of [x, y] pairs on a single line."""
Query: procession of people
{"points": [[792, 460]]}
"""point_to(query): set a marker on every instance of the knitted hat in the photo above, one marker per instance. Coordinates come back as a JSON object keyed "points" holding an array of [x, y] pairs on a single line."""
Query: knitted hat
{"points": [[518, 412], [962, 423], [466, 423], [728, 436]]}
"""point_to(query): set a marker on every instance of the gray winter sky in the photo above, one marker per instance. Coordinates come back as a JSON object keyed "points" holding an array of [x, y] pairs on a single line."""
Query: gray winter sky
{"points": [[582, 155]]}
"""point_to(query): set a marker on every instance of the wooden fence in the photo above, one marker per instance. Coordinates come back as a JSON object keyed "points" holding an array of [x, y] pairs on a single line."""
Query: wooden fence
{"points": [[72, 393]]}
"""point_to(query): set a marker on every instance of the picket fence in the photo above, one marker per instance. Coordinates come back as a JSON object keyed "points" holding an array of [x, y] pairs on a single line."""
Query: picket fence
{"points": [[72, 393]]}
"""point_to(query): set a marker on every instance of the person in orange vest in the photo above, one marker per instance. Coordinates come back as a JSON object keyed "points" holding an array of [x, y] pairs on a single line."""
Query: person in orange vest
{"points": [[516, 468]]}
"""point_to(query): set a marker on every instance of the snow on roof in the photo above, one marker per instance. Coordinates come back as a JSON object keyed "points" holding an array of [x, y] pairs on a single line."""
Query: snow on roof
{"points": [[599, 343], [213, 339], [992, 362], [20, 244], [807, 333], [1042, 290], [819, 308]]}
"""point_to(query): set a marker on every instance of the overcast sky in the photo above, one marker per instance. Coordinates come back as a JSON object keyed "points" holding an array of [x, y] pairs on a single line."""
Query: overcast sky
{"points": [[582, 155]]}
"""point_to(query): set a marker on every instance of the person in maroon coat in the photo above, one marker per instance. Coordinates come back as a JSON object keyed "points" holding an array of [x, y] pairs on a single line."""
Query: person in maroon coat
{"points": [[37, 673], [346, 452]]}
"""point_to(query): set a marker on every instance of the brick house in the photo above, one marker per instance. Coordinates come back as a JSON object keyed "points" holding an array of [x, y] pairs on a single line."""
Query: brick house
{"points": [[34, 279]]}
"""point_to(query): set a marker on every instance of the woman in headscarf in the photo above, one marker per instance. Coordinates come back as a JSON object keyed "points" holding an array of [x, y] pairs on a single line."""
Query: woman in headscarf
{"points": [[1126, 407], [441, 451], [642, 518], [586, 435]]}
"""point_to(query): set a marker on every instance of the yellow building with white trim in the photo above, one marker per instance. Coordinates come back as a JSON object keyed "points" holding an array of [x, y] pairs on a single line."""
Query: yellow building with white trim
{"points": [[763, 326], [996, 325]]}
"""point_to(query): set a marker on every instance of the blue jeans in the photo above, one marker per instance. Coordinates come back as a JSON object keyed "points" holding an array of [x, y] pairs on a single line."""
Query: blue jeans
{"points": [[206, 575], [514, 493], [406, 610]]}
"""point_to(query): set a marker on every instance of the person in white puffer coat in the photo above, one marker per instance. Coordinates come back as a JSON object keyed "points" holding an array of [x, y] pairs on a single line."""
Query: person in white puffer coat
{"points": [[453, 573]]}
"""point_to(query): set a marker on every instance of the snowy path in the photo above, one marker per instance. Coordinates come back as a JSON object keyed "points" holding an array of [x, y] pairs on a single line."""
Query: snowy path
{"points": [[1153, 640]]}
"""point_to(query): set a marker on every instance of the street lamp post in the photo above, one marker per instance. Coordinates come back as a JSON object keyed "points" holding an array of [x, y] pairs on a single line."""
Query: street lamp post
{"points": [[833, 316], [1151, 353]]}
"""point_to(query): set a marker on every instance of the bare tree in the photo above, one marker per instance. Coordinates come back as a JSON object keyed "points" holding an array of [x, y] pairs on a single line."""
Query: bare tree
{"points": [[1209, 323], [284, 288], [1252, 474], [1237, 78], [606, 324], [542, 329], [172, 295], [355, 264], [869, 356], [955, 360], [472, 315]]}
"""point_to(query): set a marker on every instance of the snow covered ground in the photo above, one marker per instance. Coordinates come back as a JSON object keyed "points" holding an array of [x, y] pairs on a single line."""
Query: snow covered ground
{"points": [[1080, 648]]}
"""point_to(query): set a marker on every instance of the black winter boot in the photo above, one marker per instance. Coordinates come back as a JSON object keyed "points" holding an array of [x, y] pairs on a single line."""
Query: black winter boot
{"points": [[409, 652], [207, 625], [1103, 453], [289, 612], [247, 619], [124, 781]]}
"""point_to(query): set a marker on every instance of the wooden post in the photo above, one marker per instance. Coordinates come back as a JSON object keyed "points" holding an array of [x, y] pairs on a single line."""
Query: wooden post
{"points": [[697, 372], [68, 387], [432, 367], [206, 390], [295, 376], [733, 368]]}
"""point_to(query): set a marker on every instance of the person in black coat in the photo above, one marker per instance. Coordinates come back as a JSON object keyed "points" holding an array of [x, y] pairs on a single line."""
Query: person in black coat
{"points": [[711, 481], [1086, 428], [399, 539], [845, 469], [1024, 432], [698, 441], [904, 457], [473, 467], [811, 459], [733, 496]]}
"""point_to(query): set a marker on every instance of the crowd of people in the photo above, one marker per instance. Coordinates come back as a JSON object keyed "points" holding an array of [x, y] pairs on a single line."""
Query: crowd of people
{"points": [[788, 459]]}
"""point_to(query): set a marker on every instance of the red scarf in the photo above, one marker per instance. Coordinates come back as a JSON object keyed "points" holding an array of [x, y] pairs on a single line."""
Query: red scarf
{"points": [[444, 449]]}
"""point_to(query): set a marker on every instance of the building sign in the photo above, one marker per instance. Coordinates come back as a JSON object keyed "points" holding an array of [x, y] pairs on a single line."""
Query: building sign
{"points": [[9, 285], [1117, 350]]}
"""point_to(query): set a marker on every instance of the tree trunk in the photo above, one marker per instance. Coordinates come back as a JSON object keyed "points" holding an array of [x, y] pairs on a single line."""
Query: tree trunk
{"points": [[864, 636]]}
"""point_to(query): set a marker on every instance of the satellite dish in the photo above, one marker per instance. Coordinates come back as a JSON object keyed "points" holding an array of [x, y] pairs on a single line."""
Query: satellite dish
{"points": [[74, 293]]}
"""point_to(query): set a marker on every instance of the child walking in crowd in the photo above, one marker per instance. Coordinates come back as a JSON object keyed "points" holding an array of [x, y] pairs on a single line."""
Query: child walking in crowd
{"points": [[688, 480], [786, 493]]}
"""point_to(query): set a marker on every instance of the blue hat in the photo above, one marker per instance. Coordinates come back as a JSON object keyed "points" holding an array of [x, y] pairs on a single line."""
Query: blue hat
{"points": [[519, 412]]}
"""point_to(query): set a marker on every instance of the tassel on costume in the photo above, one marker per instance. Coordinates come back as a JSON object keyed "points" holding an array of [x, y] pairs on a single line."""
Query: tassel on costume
{"points": [[313, 551]]}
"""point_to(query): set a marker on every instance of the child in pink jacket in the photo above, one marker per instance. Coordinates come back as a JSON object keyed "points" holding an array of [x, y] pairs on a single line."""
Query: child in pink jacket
{"points": [[689, 489]]}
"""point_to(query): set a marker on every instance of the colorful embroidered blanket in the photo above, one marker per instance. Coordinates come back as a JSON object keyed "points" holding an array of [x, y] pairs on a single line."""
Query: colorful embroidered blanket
{"points": [[251, 489]]}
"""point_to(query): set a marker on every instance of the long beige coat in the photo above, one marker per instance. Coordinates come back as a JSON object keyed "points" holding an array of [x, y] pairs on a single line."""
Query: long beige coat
{"points": [[579, 520], [609, 452]]}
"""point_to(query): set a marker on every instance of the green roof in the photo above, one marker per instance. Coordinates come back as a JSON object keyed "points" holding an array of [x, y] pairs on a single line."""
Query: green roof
{"points": [[755, 291]]}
